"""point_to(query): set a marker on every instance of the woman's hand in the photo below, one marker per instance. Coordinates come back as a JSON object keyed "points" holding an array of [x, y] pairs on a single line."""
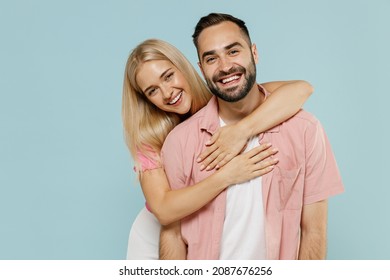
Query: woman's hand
{"points": [[223, 146], [251, 164]]}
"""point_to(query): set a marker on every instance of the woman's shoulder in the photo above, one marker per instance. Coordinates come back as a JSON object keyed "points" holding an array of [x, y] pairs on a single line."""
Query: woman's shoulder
{"points": [[148, 159]]}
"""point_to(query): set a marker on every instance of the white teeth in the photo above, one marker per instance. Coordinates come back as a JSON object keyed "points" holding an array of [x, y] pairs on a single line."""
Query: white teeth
{"points": [[176, 99], [230, 79]]}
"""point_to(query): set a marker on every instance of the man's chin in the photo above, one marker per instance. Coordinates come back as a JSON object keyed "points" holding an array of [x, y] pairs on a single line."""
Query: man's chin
{"points": [[230, 97], [233, 94]]}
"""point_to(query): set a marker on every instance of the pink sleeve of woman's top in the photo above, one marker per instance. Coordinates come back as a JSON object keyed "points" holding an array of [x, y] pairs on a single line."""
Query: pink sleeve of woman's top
{"points": [[147, 163]]}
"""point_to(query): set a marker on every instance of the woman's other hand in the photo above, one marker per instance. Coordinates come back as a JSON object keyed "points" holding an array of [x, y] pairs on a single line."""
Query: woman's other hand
{"points": [[251, 164], [224, 145]]}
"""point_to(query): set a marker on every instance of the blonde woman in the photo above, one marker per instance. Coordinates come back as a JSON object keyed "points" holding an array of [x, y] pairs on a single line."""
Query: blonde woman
{"points": [[161, 88]]}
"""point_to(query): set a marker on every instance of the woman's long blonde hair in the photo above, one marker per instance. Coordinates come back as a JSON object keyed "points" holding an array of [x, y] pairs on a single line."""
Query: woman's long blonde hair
{"points": [[145, 125]]}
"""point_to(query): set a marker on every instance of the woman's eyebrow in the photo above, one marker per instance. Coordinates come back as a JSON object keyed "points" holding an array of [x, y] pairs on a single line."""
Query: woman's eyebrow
{"points": [[162, 75]]}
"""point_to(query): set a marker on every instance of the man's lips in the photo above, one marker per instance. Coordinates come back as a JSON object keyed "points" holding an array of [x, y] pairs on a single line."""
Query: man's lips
{"points": [[229, 79]]}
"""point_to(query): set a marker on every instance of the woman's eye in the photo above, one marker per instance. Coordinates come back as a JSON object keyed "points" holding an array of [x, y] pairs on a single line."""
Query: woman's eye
{"points": [[152, 91], [169, 76]]}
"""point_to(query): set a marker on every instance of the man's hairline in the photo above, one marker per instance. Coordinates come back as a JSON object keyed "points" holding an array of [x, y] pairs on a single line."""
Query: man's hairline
{"points": [[246, 37]]}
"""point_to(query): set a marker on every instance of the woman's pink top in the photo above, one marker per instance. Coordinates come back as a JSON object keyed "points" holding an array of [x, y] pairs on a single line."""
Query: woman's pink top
{"points": [[147, 164]]}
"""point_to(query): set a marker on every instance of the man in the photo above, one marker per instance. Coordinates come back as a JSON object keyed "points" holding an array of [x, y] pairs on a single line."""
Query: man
{"points": [[281, 215]]}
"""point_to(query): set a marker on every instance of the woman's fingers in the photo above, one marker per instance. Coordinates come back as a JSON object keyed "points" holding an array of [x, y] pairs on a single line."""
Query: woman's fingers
{"points": [[208, 154], [210, 160], [223, 146], [264, 164], [249, 165], [264, 154], [258, 149], [213, 157], [263, 171], [211, 165], [213, 138]]}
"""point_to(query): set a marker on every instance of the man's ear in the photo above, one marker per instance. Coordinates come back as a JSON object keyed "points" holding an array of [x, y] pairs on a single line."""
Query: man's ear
{"points": [[255, 53], [200, 67]]}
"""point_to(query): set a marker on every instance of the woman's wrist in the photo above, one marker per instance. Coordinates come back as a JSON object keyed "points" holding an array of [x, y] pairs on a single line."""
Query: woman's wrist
{"points": [[245, 130], [223, 179]]}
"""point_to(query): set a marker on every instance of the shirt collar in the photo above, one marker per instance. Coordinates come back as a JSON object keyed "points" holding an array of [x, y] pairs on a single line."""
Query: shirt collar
{"points": [[210, 120]]}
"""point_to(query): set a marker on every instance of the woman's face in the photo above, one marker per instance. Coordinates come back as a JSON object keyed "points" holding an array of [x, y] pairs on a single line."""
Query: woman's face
{"points": [[165, 86]]}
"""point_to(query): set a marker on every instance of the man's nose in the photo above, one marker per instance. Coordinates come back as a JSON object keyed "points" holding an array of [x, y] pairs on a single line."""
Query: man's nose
{"points": [[225, 64]]}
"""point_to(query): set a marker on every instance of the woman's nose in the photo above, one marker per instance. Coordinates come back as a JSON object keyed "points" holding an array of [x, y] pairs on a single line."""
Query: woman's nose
{"points": [[167, 92]]}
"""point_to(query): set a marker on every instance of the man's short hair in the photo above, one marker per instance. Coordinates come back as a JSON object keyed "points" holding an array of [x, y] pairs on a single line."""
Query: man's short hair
{"points": [[214, 19]]}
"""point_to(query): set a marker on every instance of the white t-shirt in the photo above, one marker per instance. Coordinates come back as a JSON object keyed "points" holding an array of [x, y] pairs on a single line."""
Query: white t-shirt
{"points": [[243, 235]]}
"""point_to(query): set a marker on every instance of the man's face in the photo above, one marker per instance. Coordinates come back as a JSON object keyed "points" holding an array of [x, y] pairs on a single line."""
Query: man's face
{"points": [[227, 61]]}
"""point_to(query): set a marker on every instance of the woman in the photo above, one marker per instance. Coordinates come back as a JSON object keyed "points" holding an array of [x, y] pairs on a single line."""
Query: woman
{"points": [[161, 89]]}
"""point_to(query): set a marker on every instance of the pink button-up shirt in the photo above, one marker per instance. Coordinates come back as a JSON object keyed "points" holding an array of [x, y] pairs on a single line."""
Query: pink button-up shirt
{"points": [[306, 173]]}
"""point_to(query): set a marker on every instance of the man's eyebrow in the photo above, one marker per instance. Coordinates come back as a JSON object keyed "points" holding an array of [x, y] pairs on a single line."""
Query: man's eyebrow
{"points": [[208, 53], [228, 47], [162, 75]]}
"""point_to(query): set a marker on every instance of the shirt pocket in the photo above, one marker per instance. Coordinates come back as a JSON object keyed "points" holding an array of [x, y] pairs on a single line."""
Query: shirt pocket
{"points": [[290, 183]]}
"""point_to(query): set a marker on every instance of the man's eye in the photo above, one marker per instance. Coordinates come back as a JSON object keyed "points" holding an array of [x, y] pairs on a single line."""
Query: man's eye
{"points": [[233, 52], [210, 59]]}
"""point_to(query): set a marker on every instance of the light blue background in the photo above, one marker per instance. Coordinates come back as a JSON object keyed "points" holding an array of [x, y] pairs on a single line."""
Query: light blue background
{"points": [[67, 189]]}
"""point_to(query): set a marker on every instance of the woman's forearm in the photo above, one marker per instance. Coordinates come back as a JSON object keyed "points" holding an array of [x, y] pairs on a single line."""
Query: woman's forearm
{"points": [[285, 101], [183, 202], [172, 205]]}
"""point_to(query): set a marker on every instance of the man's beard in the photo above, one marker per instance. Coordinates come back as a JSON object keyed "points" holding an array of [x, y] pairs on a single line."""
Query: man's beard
{"points": [[234, 94]]}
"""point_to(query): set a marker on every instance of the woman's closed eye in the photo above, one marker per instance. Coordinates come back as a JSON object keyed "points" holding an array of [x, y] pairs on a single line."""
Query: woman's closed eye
{"points": [[169, 76], [151, 91]]}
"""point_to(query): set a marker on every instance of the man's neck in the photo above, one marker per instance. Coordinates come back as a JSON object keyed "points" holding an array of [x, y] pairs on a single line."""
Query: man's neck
{"points": [[232, 112]]}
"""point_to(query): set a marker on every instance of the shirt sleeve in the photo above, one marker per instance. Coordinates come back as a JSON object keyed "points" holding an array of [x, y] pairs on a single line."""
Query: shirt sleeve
{"points": [[322, 178], [172, 159], [147, 163]]}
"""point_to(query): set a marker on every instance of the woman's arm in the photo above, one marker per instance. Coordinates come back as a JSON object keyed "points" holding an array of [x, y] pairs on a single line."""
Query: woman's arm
{"points": [[172, 205], [285, 101]]}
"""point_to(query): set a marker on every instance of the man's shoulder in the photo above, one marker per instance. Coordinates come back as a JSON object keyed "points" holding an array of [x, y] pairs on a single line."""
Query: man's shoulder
{"points": [[301, 123], [189, 124], [304, 117], [188, 129]]}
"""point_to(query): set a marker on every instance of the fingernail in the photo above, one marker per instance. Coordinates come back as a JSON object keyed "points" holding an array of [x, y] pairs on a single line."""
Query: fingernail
{"points": [[198, 159], [274, 149], [202, 167], [268, 145], [217, 167], [208, 168]]}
